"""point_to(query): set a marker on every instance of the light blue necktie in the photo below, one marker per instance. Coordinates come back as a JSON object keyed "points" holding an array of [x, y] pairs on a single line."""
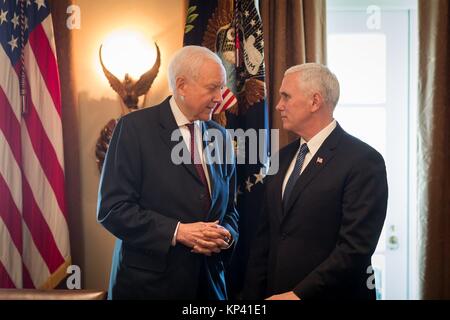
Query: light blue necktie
{"points": [[295, 173]]}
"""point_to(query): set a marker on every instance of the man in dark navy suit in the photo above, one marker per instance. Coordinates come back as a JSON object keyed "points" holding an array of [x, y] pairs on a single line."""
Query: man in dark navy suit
{"points": [[175, 223], [324, 211]]}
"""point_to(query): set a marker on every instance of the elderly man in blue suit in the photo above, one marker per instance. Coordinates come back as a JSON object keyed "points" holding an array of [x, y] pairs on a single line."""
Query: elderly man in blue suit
{"points": [[175, 224]]}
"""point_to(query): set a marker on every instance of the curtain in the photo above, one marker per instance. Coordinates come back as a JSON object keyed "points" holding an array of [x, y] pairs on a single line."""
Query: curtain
{"points": [[433, 149], [294, 33]]}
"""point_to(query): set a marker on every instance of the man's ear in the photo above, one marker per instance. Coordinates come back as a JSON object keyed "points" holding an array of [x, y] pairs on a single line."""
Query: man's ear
{"points": [[180, 84], [316, 102]]}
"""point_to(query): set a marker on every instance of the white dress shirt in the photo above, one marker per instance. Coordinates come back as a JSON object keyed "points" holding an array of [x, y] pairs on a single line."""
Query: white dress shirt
{"points": [[313, 145]]}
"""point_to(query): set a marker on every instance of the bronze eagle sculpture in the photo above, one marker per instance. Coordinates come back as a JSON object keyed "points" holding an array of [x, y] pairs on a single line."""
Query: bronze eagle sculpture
{"points": [[128, 89]]}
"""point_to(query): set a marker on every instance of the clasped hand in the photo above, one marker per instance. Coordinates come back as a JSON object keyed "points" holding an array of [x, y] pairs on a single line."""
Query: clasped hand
{"points": [[204, 237]]}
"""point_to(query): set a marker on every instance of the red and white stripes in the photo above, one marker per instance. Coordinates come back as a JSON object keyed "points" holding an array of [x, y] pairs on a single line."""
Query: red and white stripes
{"points": [[34, 237], [229, 100]]}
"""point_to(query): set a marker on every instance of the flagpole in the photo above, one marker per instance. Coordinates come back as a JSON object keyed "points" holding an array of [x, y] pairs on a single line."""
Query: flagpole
{"points": [[236, 33], [23, 93]]}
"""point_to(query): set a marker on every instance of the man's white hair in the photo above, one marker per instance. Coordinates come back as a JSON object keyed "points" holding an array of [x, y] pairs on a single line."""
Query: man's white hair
{"points": [[317, 77], [187, 62]]}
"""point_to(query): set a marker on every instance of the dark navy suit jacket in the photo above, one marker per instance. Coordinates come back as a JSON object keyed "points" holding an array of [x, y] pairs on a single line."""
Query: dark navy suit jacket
{"points": [[321, 245], [143, 195]]}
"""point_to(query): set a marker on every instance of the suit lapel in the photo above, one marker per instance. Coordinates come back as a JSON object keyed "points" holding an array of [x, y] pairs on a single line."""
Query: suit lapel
{"points": [[320, 160], [211, 167], [168, 126]]}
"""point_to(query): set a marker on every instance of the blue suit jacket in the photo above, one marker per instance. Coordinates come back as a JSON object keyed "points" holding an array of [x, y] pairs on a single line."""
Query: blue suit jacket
{"points": [[143, 195]]}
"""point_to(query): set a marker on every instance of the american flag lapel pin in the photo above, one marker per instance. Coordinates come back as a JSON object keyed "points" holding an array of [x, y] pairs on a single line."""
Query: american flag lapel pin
{"points": [[319, 160]]}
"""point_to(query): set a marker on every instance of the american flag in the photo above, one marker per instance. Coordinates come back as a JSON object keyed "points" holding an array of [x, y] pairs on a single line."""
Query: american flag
{"points": [[34, 237], [228, 101]]}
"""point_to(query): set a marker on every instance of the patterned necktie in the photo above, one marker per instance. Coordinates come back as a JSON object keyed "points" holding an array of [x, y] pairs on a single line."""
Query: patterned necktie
{"points": [[295, 173], [199, 168]]}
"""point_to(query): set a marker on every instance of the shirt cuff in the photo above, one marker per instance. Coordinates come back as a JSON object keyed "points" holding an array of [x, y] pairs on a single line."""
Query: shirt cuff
{"points": [[174, 238]]}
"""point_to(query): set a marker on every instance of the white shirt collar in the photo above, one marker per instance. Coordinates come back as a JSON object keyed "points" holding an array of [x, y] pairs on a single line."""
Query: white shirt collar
{"points": [[180, 118], [316, 141]]}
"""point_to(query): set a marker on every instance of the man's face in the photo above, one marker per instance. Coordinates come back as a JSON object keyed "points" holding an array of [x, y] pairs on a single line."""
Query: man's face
{"points": [[202, 95], [295, 105]]}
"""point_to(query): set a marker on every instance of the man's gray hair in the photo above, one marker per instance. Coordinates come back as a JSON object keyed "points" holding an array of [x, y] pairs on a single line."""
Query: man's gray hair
{"points": [[318, 77], [187, 62]]}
